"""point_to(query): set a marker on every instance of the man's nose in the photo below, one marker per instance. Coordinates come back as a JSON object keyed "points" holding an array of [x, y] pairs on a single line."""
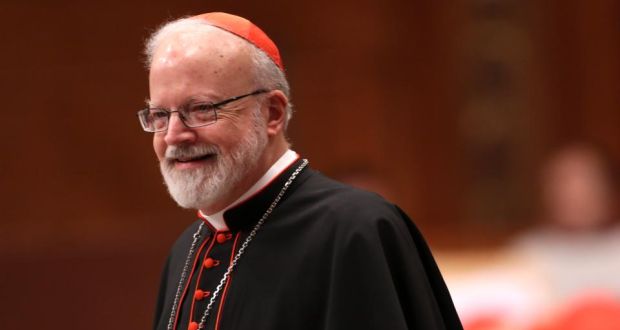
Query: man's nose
{"points": [[177, 132]]}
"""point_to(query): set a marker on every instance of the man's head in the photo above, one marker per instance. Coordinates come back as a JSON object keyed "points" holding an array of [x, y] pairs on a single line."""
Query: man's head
{"points": [[193, 65], [579, 187]]}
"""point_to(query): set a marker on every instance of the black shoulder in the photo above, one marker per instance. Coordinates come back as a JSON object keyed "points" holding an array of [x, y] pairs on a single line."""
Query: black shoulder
{"points": [[350, 206]]}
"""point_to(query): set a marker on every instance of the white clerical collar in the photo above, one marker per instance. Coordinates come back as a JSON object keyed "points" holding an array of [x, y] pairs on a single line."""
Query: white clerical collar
{"points": [[217, 219]]}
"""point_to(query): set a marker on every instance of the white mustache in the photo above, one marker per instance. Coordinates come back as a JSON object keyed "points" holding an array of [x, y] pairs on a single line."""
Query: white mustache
{"points": [[192, 151]]}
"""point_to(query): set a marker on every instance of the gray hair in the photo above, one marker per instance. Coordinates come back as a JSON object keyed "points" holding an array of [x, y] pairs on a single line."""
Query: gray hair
{"points": [[267, 74]]}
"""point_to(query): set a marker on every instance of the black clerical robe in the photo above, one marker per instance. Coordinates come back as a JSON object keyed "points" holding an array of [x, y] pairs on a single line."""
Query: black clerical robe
{"points": [[329, 257]]}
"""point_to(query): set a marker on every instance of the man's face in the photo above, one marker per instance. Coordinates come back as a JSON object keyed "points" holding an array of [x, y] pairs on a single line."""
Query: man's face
{"points": [[576, 190], [204, 166]]}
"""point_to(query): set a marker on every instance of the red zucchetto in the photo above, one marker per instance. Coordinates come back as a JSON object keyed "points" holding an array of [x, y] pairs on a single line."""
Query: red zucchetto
{"points": [[245, 29]]}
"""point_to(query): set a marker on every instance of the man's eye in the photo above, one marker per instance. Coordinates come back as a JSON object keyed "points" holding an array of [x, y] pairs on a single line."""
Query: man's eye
{"points": [[200, 108], [156, 114], [201, 113]]}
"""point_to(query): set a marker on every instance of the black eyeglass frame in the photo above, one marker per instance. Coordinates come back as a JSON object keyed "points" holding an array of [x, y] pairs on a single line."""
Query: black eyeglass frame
{"points": [[211, 106]]}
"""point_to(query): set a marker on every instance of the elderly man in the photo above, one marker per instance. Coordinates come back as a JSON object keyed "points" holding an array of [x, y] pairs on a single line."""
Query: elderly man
{"points": [[277, 245]]}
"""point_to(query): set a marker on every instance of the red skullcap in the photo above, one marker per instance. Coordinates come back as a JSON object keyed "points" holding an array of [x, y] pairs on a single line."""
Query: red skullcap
{"points": [[245, 29]]}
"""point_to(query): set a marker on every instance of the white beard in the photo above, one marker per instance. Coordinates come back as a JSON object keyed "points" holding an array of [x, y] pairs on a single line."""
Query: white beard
{"points": [[201, 187]]}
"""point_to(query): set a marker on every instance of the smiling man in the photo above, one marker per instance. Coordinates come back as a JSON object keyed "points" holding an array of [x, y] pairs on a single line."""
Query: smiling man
{"points": [[277, 245]]}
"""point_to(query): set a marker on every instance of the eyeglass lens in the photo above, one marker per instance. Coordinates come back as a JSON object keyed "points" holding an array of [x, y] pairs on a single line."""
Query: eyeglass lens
{"points": [[156, 120]]}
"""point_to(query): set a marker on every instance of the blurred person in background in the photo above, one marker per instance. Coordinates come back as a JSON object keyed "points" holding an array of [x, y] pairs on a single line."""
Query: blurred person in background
{"points": [[577, 244], [563, 273], [277, 244], [575, 250]]}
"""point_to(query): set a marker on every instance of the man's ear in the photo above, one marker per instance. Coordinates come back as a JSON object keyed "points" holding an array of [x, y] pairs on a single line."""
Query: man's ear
{"points": [[276, 112]]}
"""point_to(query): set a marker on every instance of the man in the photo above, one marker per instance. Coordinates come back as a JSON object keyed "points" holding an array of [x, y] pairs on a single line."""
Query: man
{"points": [[277, 245]]}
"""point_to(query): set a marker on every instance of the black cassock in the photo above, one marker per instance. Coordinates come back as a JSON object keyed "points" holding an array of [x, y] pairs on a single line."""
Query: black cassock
{"points": [[329, 257]]}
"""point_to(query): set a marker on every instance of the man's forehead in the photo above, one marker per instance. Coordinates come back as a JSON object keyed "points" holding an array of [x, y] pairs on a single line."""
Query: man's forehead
{"points": [[187, 65], [208, 42]]}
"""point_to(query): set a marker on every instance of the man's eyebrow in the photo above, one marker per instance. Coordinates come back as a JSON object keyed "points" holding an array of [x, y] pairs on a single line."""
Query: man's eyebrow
{"points": [[201, 98]]}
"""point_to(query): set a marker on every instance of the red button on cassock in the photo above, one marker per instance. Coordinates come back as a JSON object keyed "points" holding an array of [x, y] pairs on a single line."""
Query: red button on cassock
{"points": [[209, 262], [200, 295], [221, 238], [193, 326]]}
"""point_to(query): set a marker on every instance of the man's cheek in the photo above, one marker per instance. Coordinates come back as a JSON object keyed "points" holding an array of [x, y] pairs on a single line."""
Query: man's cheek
{"points": [[159, 147]]}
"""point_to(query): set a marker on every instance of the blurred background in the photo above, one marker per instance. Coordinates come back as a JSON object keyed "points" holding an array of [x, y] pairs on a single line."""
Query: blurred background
{"points": [[493, 123]]}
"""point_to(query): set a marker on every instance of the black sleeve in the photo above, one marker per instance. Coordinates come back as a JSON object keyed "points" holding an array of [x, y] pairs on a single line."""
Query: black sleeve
{"points": [[384, 277]]}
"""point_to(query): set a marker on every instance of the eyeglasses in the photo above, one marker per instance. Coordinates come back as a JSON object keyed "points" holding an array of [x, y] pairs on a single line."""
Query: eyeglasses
{"points": [[194, 115]]}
